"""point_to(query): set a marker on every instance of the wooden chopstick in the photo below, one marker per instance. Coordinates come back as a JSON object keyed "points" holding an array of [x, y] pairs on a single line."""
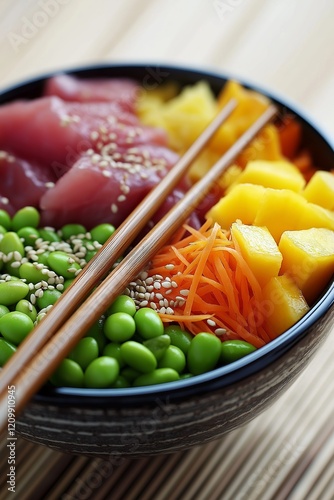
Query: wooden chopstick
{"points": [[117, 244], [41, 367]]}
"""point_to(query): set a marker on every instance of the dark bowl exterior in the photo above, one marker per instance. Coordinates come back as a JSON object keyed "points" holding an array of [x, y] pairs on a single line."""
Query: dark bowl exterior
{"points": [[133, 423]]}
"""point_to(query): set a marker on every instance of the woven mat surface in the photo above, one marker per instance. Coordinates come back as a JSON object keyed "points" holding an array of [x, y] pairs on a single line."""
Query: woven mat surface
{"points": [[287, 45]]}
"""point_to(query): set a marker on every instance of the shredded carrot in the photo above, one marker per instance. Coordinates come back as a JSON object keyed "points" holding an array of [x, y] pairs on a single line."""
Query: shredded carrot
{"points": [[214, 289]]}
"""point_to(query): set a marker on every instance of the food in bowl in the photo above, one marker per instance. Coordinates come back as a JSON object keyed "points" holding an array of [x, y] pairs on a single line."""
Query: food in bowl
{"points": [[166, 418], [249, 265]]}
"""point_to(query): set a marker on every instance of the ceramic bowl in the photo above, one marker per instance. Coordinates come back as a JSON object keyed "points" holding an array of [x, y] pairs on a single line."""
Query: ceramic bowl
{"points": [[137, 422]]}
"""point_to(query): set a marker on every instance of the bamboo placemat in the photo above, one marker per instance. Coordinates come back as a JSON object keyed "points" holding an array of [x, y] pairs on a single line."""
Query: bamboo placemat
{"points": [[287, 45]]}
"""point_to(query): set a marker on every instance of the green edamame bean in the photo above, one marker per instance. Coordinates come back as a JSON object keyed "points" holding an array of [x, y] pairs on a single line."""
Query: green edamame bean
{"points": [[130, 374], [11, 242], [178, 337], [138, 356], [173, 358], [48, 298], [27, 308], [85, 352], [62, 264], [119, 327], [28, 234], [148, 323], [43, 258], [120, 383], [12, 291], [26, 216], [232, 350], [203, 353], [49, 235], [68, 374], [158, 376], [90, 254], [72, 230], [7, 350], [96, 332], [5, 220], [158, 345], [102, 232], [102, 372], [15, 326], [3, 310], [29, 272], [68, 283], [124, 304], [114, 351]]}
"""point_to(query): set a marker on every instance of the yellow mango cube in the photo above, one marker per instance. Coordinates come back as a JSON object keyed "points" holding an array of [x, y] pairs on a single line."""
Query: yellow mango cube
{"points": [[308, 257], [316, 216], [241, 203], [274, 174], [280, 210], [250, 106], [283, 305], [187, 115], [320, 189], [265, 146], [259, 250]]}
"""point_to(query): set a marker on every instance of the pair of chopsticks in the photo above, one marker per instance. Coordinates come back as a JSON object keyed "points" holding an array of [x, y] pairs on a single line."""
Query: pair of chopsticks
{"points": [[73, 314]]}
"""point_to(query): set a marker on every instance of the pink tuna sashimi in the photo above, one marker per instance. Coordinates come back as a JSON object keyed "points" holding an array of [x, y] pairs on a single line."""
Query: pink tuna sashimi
{"points": [[22, 183], [55, 133], [105, 188], [121, 90]]}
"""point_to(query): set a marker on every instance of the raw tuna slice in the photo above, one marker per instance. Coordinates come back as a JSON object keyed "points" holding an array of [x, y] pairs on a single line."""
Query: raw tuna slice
{"points": [[123, 91], [105, 187], [55, 133], [22, 183]]}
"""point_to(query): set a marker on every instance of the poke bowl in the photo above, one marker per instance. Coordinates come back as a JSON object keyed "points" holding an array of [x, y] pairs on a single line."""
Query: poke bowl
{"points": [[196, 405]]}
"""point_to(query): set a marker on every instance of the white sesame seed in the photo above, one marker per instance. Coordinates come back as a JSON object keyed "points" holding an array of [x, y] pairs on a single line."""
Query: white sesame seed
{"points": [[169, 310], [157, 285], [114, 208], [210, 322], [15, 264], [220, 331], [143, 303], [166, 284], [169, 267]]}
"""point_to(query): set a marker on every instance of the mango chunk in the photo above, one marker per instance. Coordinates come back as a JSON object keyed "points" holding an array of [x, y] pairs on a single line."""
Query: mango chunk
{"points": [[285, 305], [259, 250], [274, 174], [308, 257], [266, 146], [241, 203], [320, 189], [316, 216], [280, 210]]}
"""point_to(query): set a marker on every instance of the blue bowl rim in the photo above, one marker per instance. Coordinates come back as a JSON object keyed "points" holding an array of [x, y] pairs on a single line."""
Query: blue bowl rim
{"points": [[223, 376]]}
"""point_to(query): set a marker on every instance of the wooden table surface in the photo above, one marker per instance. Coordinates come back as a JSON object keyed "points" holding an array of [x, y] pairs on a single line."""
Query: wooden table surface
{"points": [[286, 45]]}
